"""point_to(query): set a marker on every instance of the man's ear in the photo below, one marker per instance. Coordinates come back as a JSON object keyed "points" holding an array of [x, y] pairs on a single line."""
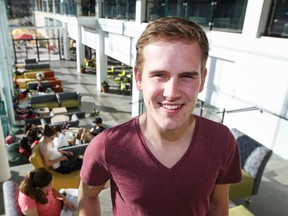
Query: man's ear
{"points": [[203, 78], [138, 79]]}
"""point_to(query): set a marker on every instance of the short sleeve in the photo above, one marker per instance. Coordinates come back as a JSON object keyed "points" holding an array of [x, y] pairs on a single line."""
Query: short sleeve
{"points": [[94, 171], [25, 202], [231, 171]]}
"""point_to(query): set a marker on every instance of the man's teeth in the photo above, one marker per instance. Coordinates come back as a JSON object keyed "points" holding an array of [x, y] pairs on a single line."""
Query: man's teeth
{"points": [[171, 106]]}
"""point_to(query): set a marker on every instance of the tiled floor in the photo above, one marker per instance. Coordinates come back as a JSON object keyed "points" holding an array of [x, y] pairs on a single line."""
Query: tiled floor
{"points": [[271, 200]]}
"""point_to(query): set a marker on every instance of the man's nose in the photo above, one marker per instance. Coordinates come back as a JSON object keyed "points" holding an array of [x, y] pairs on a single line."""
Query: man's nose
{"points": [[172, 89]]}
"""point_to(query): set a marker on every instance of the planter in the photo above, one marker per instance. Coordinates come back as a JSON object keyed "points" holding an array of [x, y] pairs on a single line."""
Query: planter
{"points": [[105, 89]]}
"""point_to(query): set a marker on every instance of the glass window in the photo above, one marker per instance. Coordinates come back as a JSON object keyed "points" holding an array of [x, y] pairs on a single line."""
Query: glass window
{"points": [[278, 22]]}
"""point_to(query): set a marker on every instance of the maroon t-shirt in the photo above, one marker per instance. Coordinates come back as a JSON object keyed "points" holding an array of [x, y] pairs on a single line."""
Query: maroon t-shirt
{"points": [[141, 185]]}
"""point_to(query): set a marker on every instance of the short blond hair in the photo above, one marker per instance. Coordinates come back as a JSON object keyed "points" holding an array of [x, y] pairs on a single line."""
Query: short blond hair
{"points": [[172, 29]]}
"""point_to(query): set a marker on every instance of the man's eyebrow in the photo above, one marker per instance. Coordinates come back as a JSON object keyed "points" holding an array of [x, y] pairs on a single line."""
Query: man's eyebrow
{"points": [[157, 71], [193, 73]]}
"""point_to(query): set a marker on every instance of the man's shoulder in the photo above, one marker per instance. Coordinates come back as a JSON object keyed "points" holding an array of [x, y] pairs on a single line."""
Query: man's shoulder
{"points": [[210, 128]]}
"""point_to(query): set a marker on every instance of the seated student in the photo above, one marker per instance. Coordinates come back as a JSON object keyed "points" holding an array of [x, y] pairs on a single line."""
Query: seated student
{"points": [[25, 147], [40, 87], [98, 127], [60, 140], [40, 78], [38, 197], [33, 133], [20, 94], [18, 109], [54, 157], [86, 136]]}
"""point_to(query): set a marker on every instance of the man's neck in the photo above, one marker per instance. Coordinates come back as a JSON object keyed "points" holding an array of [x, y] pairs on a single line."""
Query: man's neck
{"points": [[162, 137]]}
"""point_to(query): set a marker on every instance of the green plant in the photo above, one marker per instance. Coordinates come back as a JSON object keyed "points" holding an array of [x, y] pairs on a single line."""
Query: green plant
{"points": [[94, 112], [82, 69], [73, 49], [104, 83]]}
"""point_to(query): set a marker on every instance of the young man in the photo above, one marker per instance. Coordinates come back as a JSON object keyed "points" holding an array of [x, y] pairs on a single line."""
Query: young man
{"points": [[98, 127], [166, 161]]}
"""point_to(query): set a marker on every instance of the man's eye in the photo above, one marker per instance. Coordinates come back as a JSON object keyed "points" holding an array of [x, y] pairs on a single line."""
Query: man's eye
{"points": [[190, 76], [158, 75]]}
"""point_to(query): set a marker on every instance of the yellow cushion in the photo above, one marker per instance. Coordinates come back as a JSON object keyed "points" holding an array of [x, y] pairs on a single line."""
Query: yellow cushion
{"points": [[243, 188], [239, 211], [30, 75]]}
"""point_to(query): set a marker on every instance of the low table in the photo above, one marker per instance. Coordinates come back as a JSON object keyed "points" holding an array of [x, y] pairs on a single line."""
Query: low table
{"points": [[57, 119], [59, 110], [42, 111]]}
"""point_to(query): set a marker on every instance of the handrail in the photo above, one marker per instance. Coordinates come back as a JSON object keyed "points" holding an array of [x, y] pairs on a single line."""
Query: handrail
{"points": [[246, 109]]}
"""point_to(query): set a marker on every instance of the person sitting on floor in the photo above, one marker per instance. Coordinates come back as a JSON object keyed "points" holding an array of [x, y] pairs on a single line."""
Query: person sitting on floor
{"points": [[38, 197], [54, 157], [25, 147]]}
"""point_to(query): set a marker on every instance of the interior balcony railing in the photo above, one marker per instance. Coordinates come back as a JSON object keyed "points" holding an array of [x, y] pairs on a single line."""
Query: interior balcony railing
{"points": [[219, 15], [214, 111], [69, 8], [122, 9]]}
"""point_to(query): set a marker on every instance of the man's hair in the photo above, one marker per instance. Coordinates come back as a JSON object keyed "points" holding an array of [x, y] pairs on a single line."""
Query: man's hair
{"points": [[172, 29]]}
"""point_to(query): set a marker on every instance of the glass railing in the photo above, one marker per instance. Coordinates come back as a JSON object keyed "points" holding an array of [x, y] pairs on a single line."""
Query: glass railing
{"points": [[278, 24], [217, 14], [121, 9], [70, 8]]}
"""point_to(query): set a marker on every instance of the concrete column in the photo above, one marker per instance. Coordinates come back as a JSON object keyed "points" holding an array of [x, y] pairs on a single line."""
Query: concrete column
{"points": [[140, 16], [53, 7], [66, 40], [80, 49], [5, 173], [101, 58], [6, 62], [140, 11], [79, 8], [255, 11], [46, 6]]}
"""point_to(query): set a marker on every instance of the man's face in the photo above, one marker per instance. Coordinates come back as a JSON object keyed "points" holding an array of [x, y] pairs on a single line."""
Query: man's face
{"points": [[170, 81]]}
